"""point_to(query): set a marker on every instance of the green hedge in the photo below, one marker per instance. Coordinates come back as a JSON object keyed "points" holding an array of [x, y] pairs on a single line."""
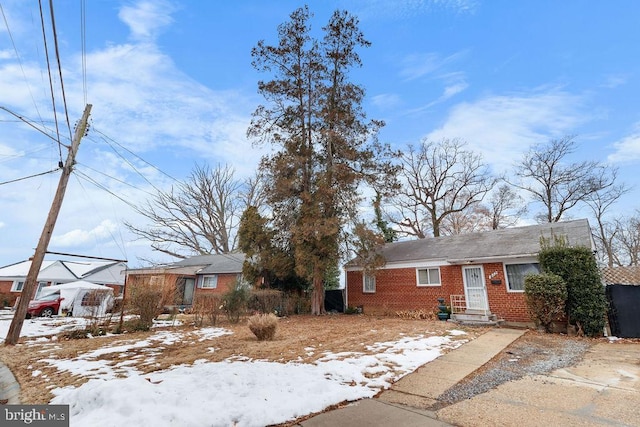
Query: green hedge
{"points": [[586, 305], [546, 295]]}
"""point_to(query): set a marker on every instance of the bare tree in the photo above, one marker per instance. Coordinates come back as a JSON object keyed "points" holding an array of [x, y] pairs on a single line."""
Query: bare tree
{"points": [[471, 220], [439, 179], [505, 207], [557, 185], [199, 216], [628, 238], [606, 231]]}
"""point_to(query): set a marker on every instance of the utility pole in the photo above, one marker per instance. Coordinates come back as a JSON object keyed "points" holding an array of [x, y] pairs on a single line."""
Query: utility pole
{"points": [[29, 287]]}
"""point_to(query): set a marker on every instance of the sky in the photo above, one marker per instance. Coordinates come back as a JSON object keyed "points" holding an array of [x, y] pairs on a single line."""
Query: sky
{"points": [[172, 86], [237, 391]]}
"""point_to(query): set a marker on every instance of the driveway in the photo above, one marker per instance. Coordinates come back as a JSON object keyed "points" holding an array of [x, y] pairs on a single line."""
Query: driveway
{"points": [[602, 389]]}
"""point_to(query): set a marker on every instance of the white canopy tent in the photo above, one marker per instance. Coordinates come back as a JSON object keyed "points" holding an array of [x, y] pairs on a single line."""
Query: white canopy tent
{"points": [[82, 298]]}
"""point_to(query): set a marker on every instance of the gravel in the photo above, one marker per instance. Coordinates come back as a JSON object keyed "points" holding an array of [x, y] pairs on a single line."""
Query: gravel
{"points": [[532, 354]]}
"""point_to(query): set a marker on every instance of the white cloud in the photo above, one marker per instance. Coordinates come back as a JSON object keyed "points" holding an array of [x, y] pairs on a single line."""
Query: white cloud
{"points": [[419, 65], [402, 9], [386, 100], [78, 237], [627, 149], [141, 101], [615, 80], [146, 18], [502, 127]]}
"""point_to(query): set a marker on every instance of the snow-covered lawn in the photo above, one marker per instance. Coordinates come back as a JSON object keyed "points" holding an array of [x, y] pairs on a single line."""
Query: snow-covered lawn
{"points": [[235, 391]]}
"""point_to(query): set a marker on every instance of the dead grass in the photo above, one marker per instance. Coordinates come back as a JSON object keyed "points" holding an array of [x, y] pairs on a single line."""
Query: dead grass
{"points": [[294, 340]]}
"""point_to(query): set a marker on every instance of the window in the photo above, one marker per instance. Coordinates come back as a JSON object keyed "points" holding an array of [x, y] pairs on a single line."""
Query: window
{"points": [[40, 286], [516, 273], [369, 283], [17, 286], [210, 282], [429, 276], [91, 299]]}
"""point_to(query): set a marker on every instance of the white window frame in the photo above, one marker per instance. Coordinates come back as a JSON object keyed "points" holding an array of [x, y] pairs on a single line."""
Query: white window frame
{"points": [[14, 287], [206, 285], [39, 288], [506, 274], [370, 278], [428, 277]]}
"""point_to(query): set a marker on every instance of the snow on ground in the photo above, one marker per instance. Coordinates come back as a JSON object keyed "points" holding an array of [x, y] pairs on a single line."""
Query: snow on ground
{"points": [[237, 391], [50, 326]]}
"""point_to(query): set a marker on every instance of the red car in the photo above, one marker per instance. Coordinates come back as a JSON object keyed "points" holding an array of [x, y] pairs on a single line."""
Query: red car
{"points": [[45, 306]]}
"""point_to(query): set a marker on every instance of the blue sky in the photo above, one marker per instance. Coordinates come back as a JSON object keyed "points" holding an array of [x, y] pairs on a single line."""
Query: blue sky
{"points": [[172, 82]]}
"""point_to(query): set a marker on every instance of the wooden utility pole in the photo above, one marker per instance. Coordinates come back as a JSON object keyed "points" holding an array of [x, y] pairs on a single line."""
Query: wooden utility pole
{"points": [[29, 288]]}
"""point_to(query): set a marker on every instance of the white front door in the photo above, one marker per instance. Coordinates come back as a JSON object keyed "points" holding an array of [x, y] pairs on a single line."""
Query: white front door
{"points": [[475, 291]]}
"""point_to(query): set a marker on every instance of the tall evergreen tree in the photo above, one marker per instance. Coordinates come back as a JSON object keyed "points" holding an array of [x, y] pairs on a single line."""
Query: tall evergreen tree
{"points": [[314, 116]]}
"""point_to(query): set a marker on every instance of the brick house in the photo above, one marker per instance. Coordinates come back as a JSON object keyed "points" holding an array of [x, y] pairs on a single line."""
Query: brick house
{"points": [[480, 275], [214, 274], [57, 272]]}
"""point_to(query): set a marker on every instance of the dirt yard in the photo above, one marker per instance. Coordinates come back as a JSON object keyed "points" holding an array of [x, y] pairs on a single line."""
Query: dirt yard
{"points": [[295, 337]]}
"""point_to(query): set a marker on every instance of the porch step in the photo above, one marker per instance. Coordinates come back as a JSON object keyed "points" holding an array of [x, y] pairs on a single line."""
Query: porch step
{"points": [[475, 319]]}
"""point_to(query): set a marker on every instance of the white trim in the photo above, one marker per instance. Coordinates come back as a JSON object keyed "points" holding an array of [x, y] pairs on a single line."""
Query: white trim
{"points": [[506, 276], [14, 285], [491, 259], [203, 286], [364, 288], [405, 264], [485, 296], [428, 285]]}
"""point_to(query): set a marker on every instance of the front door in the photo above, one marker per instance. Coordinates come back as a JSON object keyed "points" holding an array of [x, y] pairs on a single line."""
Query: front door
{"points": [[475, 290], [189, 287]]}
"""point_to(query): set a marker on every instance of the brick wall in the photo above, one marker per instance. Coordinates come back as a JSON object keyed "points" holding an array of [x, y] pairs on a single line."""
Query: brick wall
{"points": [[396, 290], [225, 282]]}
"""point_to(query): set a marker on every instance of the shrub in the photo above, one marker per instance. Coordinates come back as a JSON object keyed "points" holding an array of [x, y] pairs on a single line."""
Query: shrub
{"points": [[545, 295], [267, 301], [206, 307], [586, 305], [234, 302], [263, 326], [416, 314], [7, 299], [145, 300]]}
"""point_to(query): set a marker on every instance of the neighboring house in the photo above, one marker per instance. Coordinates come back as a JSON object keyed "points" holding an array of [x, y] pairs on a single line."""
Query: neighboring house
{"points": [[108, 273], [621, 275], [480, 275], [198, 274]]}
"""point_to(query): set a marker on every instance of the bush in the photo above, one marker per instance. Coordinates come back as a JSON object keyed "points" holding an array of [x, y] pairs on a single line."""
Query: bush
{"points": [[267, 301], [7, 299], [206, 307], [145, 300], [545, 295], [263, 326], [586, 305], [234, 303], [416, 314]]}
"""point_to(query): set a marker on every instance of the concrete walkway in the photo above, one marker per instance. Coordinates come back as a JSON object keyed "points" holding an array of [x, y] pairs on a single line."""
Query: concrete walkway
{"points": [[9, 387], [404, 404]]}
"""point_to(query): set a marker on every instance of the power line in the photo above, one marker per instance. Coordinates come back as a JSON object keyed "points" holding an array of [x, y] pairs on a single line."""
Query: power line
{"points": [[83, 42], [15, 49], [115, 179], [106, 137], [30, 123], [53, 97], [55, 42], [102, 187], [30, 176]]}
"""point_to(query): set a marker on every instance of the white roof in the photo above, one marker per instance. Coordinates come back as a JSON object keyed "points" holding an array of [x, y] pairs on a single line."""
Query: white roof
{"points": [[80, 284], [110, 272]]}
